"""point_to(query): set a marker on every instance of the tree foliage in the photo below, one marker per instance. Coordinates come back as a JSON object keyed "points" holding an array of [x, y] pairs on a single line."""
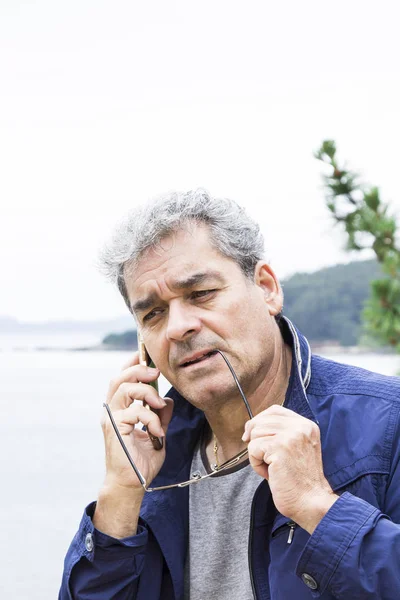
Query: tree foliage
{"points": [[327, 305], [368, 224]]}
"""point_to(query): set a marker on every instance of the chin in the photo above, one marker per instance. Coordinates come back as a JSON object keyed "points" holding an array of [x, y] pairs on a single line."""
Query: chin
{"points": [[206, 395]]}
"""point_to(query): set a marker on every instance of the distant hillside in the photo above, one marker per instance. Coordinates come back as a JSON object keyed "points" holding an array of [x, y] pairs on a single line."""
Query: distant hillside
{"points": [[121, 341], [326, 305]]}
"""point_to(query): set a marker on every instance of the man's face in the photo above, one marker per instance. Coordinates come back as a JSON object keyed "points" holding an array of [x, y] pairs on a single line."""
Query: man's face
{"points": [[190, 300]]}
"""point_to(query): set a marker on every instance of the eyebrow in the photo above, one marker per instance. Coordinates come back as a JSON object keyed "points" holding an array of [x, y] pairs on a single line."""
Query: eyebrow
{"points": [[180, 284]]}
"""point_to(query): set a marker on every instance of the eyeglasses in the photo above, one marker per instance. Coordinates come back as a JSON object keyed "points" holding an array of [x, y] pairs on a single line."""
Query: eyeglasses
{"points": [[196, 477]]}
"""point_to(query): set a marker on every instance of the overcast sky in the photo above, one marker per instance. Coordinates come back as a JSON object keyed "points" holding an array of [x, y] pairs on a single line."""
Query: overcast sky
{"points": [[104, 104]]}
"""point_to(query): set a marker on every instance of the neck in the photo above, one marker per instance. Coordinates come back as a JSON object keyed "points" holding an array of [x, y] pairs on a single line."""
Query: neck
{"points": [[227, 424]]}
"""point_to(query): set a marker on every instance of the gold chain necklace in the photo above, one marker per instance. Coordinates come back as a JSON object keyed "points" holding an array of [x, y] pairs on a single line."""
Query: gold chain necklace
{"points": [[216, 450]]}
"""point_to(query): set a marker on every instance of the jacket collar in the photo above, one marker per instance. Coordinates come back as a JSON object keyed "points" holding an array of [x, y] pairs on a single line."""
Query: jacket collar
{"points": [[301, 369], [301, 352]]}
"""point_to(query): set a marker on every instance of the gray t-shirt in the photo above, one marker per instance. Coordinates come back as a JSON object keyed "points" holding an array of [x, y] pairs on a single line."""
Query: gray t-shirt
{"points": [[217, 564]]}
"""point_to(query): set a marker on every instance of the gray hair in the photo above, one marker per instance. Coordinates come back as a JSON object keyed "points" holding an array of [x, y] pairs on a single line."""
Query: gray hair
{"points": [[233, 233]]}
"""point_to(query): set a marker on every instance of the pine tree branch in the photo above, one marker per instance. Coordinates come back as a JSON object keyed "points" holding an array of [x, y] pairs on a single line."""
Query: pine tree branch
{"points": [[366, 214]]}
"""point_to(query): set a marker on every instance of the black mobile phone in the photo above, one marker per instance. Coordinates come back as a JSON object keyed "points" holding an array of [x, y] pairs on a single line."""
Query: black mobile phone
{"points": [[145, 359]]}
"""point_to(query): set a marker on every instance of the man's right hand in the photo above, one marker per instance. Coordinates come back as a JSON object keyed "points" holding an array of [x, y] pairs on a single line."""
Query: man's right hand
{"points": [[118, 507]]}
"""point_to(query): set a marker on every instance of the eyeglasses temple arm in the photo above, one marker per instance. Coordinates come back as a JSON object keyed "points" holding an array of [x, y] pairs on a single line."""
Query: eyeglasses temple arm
{"points": [[239, 387], [125, 449]]}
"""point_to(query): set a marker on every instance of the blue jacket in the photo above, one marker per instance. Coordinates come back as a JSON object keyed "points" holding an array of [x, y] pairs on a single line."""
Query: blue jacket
{"points": [[353, 553]]}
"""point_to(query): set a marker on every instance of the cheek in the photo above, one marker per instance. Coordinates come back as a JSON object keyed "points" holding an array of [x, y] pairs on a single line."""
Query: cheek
{"points": [[250, 314], [229, 321], [157, 350], [254, 329]]}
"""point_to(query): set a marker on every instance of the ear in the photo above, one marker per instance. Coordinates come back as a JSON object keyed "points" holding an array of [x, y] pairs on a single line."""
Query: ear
{"points": [[270, 287]]}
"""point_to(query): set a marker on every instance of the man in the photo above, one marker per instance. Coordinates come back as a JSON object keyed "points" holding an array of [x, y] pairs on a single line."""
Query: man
{"points": [[313, 511]]}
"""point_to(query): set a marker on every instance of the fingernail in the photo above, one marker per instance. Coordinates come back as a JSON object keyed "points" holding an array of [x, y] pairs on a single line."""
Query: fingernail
{"points": [[245, 436], [162, 402], [152, 369]]}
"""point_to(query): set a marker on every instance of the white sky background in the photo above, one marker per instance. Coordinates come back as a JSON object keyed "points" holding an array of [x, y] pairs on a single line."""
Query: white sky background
{"points": [[104, 104]]}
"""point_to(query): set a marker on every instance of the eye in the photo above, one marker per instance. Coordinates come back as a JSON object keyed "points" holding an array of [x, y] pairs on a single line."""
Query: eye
{"points": [[202, 294], [152, 314]]}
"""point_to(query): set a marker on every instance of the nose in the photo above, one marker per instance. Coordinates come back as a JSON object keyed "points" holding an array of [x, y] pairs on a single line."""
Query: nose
{"points": [[182, 322]]}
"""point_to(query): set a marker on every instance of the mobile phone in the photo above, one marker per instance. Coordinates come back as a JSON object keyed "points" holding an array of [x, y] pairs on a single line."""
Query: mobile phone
{"points": [[145, 359]]}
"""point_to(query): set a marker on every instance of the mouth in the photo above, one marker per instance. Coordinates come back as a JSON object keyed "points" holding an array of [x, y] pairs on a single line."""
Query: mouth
{"points": [[198, 358]]}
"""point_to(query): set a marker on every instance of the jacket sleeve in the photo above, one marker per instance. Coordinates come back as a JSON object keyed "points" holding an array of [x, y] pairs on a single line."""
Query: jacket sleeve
{"points": [[355, 550], [99, 567]]}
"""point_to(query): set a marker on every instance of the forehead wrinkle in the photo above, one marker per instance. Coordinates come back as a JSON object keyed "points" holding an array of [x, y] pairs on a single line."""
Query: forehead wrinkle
{"points": [[195, 279], [180, 284]]}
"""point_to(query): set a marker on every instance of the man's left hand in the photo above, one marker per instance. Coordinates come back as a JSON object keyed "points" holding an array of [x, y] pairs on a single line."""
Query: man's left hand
{"points": [[285, 449]]}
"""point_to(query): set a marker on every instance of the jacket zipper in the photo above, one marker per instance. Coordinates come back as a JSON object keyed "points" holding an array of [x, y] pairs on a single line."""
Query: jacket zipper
{"points": [[292, 526], [281, 530], [251, 544]]}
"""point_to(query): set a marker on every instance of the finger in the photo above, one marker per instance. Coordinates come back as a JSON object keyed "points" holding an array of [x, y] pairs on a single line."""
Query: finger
{"points": [[134, 360], [263, 422], [118, 416], [129, 417], [165, 414], [260, 451], [128, 392], [149, 419], [278, 409], [135, 374], [274, 413], [265, 429]]}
